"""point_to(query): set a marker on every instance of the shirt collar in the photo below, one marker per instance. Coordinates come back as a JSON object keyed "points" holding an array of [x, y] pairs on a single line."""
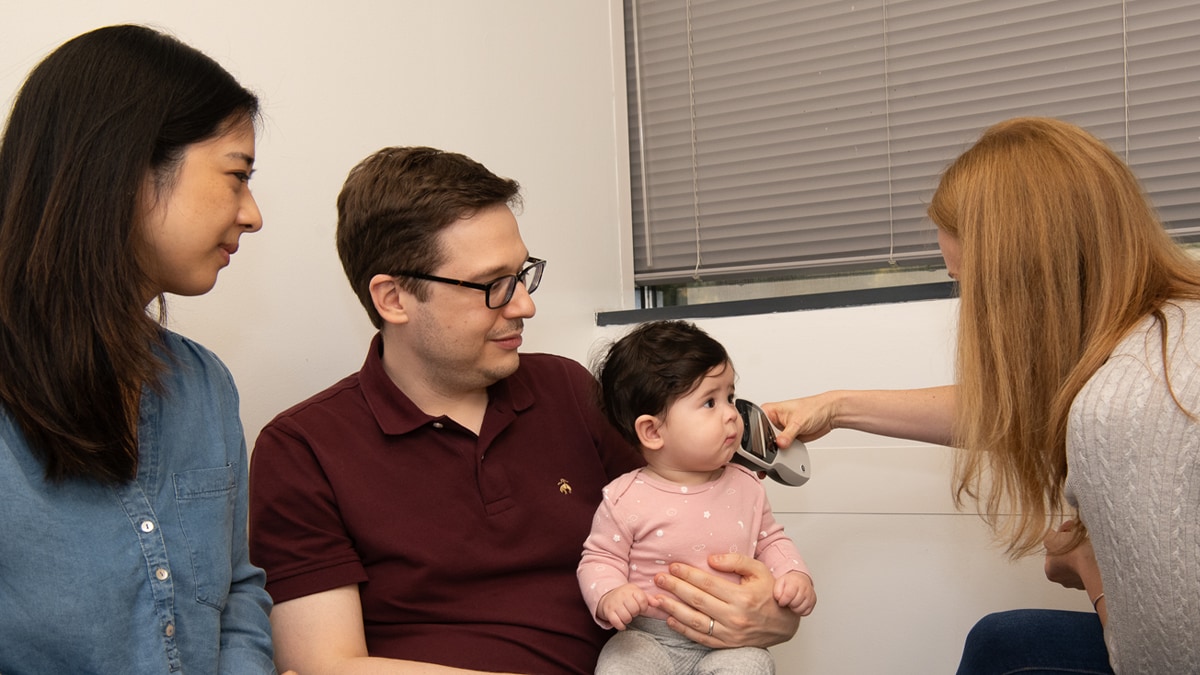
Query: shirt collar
{"points": [[396, 414]]}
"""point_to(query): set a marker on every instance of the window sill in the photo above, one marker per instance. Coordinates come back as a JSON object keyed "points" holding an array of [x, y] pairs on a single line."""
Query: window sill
{"points": [[793, 303]]}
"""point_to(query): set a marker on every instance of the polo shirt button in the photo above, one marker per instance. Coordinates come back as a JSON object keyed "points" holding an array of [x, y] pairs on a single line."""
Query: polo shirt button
{"points": [[147, 526], [170, 631], [161, 574], [438, 425]]}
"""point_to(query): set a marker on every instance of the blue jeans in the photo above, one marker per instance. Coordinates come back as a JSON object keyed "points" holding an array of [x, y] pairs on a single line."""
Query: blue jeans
{"points": [[1032, 641]]}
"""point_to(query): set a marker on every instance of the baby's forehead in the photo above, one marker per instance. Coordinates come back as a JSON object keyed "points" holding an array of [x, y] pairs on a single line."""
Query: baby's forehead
{"points": [[720, 369], [716, 372]]}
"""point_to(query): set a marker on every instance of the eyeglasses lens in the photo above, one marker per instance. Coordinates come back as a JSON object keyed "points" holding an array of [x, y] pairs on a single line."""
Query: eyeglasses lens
{"points": [[501, 290]]}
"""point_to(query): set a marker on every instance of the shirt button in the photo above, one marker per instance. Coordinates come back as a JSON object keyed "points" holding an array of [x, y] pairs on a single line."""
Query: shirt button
{"points": [[161, 574], [170, 631], [147, 526], [438, 425]]}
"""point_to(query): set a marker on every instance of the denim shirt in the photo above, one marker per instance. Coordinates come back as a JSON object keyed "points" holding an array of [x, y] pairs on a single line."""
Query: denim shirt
{"points": [[149, 577]]}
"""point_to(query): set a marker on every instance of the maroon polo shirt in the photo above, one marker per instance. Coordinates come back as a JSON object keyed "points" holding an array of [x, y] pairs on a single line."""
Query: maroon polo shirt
{"points": [[464, 547]]}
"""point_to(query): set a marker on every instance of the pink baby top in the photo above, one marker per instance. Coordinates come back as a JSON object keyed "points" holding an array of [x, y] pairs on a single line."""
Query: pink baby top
{"points": [[645, 523]]}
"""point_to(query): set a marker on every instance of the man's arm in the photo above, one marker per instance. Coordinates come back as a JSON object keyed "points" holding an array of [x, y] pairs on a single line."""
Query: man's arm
{"points": [[322, 634]]}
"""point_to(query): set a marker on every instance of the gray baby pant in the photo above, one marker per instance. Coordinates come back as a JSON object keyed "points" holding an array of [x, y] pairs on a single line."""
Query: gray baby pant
{"points": [[650, 646]]}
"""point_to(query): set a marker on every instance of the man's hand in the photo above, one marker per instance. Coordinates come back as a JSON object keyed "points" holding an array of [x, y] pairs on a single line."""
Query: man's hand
{"points": [[739, 615]]}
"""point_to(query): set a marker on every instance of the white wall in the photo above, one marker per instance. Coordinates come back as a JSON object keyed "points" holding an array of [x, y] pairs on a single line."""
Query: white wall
{"points": [[534, 90]]}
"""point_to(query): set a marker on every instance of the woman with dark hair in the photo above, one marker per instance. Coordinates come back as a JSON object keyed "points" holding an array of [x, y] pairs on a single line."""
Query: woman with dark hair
{"points": [[123, 176], [1077, 400]]}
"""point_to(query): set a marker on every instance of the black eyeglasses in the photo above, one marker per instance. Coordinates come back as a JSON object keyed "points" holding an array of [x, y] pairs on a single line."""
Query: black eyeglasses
{"points": [[499, 290]]}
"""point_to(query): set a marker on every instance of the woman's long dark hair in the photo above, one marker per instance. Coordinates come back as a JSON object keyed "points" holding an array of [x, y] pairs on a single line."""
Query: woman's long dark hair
{"points": [[95, 120]]}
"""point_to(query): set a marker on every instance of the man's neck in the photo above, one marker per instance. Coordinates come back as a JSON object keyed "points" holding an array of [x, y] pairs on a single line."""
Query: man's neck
{"points": [[433, 396]]}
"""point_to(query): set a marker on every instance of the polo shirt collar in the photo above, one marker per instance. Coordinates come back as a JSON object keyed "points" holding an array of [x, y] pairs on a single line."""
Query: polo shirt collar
{"points": [[396, 414]]}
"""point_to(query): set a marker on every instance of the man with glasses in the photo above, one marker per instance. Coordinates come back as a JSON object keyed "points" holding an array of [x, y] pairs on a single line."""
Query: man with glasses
{"points": [[430, 508]]}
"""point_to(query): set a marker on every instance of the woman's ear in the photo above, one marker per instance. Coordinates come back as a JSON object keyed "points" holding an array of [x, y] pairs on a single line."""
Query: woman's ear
{"points": [[389, 299], [649, 431]]}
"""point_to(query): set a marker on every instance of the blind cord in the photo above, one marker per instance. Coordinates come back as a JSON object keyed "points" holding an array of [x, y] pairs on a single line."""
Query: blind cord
{"points": [[887, 123], [692, 120], [1125, 62]]}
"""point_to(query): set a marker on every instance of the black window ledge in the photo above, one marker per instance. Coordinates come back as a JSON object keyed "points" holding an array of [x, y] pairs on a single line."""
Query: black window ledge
{"points": [[792, 303]]}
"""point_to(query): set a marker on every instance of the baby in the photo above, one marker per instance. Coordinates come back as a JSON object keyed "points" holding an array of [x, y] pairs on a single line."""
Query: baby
{"points": [[669, 388]]}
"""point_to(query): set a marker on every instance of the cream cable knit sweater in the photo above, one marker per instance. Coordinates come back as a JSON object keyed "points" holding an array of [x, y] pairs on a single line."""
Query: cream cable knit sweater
{"points": [[1134, 472]]}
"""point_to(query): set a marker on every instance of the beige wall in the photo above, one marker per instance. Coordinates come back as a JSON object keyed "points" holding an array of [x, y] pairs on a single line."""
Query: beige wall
{"points": [[534, 89]]}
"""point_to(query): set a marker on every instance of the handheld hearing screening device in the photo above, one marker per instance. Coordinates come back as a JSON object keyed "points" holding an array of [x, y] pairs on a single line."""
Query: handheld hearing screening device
{"points": [[758, 451]]}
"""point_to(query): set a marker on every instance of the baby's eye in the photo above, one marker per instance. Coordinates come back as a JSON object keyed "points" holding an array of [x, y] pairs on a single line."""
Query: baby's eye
{"points": [[710, 403], [732, 399]]}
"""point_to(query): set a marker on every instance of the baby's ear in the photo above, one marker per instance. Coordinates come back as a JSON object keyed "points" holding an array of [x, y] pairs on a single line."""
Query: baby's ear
{"points": [[648, 431]]}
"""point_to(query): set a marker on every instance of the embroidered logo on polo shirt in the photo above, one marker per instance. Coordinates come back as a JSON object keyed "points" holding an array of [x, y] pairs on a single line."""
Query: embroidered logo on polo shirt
{"points": [[563, 486]]}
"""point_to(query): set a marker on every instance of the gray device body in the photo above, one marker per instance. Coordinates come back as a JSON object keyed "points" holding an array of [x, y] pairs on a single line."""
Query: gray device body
{"points": [[758, 451]]}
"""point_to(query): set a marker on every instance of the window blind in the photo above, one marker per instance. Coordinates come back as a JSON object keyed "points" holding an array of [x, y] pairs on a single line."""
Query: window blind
{"points": [[772, 137]]}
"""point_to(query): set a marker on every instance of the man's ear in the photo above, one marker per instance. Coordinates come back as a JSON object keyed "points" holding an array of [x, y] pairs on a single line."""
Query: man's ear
{"points": [[390, 300], [648, 428]]}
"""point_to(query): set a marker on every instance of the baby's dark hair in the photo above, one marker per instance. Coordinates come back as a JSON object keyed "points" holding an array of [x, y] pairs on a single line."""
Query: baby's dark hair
{"points": [[648, 369]]}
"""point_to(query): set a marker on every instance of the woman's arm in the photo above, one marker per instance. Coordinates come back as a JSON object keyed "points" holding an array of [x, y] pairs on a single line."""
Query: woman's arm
{"points": [[915, 414], [1076, 567]]}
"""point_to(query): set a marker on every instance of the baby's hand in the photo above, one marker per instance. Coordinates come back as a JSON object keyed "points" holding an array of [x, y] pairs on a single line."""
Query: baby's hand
{"points": [[795, 591], [621, 604]]}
